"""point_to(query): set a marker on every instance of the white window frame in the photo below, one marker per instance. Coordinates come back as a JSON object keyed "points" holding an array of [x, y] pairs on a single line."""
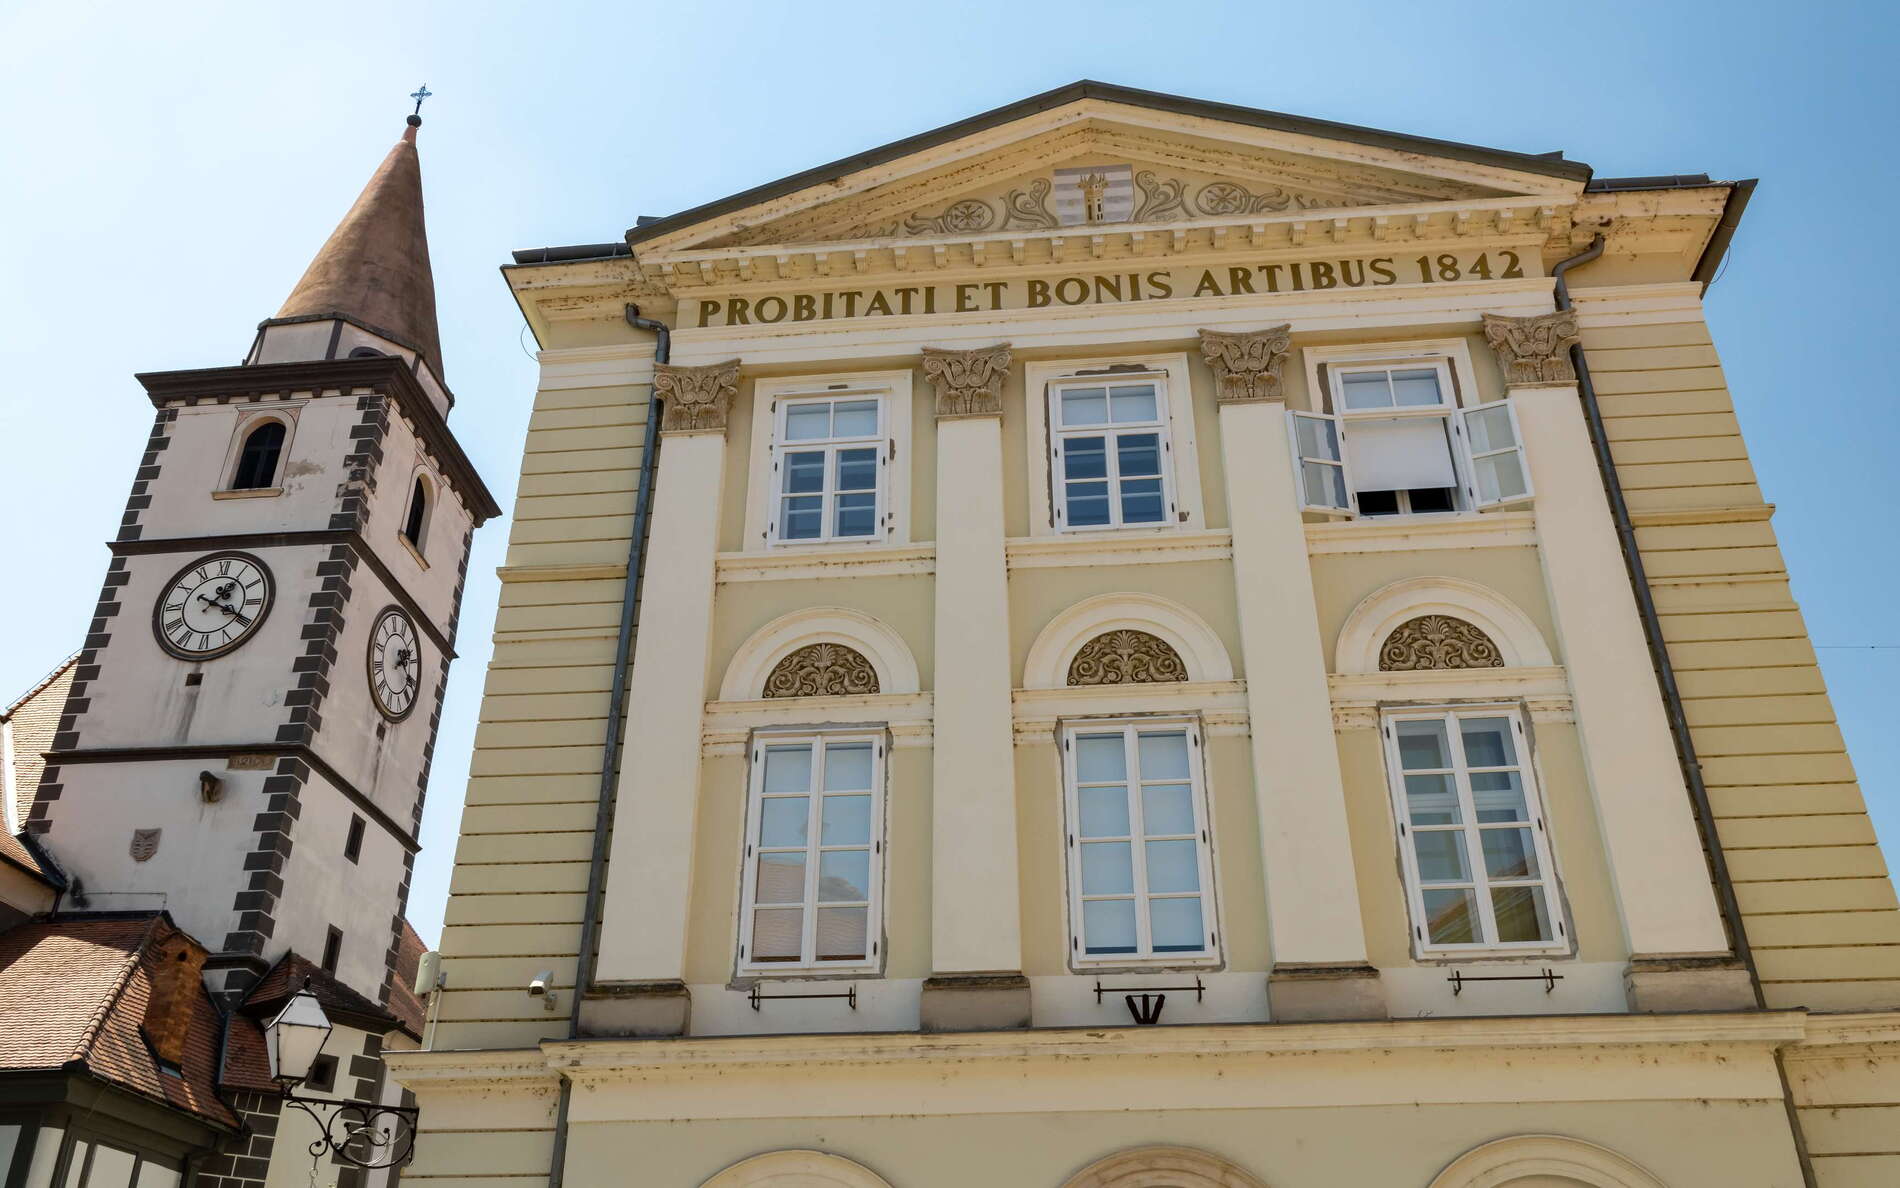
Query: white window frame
{"points": [[1457, 383], [1144, 957], [1550, 879], [249, 421], [1181, 476], [1111, 433], [808, 963], [893, 389]]}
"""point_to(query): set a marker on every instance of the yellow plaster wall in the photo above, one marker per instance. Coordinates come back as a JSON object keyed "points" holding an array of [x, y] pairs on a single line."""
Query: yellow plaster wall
{"points": [[515, 899], [1819, 908]]}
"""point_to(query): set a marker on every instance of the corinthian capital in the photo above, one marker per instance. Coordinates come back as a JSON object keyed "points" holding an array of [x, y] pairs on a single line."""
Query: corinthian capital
{"points": [[1247, 366], [968, 383], [1534, 350], [698, 399]]}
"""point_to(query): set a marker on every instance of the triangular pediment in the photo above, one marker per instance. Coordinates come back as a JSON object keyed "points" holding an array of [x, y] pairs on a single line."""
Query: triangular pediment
{"points": [[1103, 160]]}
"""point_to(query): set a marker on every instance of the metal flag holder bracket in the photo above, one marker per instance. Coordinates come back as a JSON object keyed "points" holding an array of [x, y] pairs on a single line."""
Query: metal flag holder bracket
{"points": [[756, 996], [1547, 976], [1146, 1002]]}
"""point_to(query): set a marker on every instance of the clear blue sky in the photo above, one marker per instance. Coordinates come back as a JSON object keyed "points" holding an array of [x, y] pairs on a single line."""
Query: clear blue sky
{"points": [[170, 169]]}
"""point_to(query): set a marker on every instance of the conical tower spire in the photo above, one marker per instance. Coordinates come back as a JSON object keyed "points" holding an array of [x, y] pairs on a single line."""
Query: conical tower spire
{"points": [[374, 268]]}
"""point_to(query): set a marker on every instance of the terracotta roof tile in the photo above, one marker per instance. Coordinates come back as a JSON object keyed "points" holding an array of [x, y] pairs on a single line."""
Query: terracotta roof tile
{"points": [[81, 983], [403, 1002], [293, 973], [21, 852], [34, 719]]}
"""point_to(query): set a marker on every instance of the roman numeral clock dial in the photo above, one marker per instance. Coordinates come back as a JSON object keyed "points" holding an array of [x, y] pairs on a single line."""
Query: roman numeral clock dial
{"points": [[395, 663], [212, 606]]}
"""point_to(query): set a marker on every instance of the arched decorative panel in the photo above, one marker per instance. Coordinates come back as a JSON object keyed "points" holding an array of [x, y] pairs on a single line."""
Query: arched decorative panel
{"points": [[1437, 641], [822, 670], [797, 1169], [1164, 1167], [1126, 657], [1535, 1160], [757, 664], [1514, 639], [1051, 661]]}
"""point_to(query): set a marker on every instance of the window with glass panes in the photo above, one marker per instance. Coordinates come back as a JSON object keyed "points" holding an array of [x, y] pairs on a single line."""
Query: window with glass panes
{"points": [[1476, 857], [829, 470], [1396, 443], [1140, 874], [814, 841], [1109, 452]]}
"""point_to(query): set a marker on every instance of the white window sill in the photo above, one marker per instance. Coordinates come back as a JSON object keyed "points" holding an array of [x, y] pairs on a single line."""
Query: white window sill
{"points": [[1436, 530], [1494, 953], [873, 559], [249, 493], [1145, 965], [1124, 547], [747, 977], [411, 550]]}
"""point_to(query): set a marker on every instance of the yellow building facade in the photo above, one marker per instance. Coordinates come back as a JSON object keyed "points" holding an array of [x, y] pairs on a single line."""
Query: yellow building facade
{"points": [[1129, 641]]}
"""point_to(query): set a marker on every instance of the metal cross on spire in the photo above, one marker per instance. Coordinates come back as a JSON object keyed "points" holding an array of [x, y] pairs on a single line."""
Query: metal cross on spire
{"points": [[419, 95]]}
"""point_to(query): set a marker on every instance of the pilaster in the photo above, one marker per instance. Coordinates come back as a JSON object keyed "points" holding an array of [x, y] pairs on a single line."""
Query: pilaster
{"points": [[640, 982], [1320, 970], [1657, 870], [976, 941]]}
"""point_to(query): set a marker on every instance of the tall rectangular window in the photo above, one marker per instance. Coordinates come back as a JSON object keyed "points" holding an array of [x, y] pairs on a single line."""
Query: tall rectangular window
{"points": [[1109, 453], [353, 842], [1471, 824], [1140, 874], [1397, 443], [829, 473], [813, 854], [332, 950]]}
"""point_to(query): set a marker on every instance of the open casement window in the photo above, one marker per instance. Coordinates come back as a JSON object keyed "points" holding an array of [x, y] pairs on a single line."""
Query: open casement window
{"points": [[1396, 443], [829, 467], [1140, 875], [814, 853], [1495, 451], [1471, 828], [1109, 453]]}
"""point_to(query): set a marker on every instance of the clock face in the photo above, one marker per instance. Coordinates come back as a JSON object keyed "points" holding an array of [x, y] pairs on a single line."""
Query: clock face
{"points": [[395, 663], [213, 605]]}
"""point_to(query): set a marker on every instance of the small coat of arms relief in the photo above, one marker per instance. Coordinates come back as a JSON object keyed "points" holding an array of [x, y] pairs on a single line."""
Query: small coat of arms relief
{"points": [[144, 844]]}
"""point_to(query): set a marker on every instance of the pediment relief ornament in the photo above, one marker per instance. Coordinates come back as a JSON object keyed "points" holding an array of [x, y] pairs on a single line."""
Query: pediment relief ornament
{"points": [[1534, 350], [1247, 366], [698, 399], [1158, 199], [822, 670], [1126, 658], [968, 383], [1435, 642]]}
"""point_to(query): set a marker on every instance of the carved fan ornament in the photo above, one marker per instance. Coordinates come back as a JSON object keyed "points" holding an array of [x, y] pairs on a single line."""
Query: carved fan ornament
{"points": [[1437, 641], [821, 670], [1126, 658]]}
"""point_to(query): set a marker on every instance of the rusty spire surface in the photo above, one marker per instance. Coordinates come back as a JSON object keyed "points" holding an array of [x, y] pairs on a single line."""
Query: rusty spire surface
{"points": [[374, 268]]}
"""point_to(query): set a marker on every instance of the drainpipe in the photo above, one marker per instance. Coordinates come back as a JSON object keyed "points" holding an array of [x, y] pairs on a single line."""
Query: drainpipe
{"points": [[616, 715], [1666, 681]]}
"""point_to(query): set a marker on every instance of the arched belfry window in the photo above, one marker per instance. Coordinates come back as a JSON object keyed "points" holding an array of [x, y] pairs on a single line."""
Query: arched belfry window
{"points": [[1126, 657], [1437, 641], [822, 670], [418, 514], [257, 461]]}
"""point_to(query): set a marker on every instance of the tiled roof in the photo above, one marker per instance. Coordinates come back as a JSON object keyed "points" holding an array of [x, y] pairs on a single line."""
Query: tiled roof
{"points": [[22, 852], [403, 1002], [293, 973], [73, 992], [34, 718]]}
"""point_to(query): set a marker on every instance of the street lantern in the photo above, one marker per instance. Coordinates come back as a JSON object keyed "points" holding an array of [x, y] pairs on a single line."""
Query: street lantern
{"points": [[366, 1134], [295, 1038]]}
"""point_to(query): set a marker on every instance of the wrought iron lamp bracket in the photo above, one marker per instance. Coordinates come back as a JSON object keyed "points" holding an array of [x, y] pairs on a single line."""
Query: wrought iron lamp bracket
{"points": [[363, 1134]]}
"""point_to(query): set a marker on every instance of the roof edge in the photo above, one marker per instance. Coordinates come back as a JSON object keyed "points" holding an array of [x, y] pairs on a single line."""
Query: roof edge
{"points": [[1709, 264], [1111, 93]]}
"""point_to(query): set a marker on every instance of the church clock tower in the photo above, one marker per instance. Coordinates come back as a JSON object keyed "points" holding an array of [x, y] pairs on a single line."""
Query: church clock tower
{"points": [[252, 717]]}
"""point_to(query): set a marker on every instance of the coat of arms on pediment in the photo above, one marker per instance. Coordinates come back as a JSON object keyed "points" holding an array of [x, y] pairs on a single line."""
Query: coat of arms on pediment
{"points": [[144, 844]]}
